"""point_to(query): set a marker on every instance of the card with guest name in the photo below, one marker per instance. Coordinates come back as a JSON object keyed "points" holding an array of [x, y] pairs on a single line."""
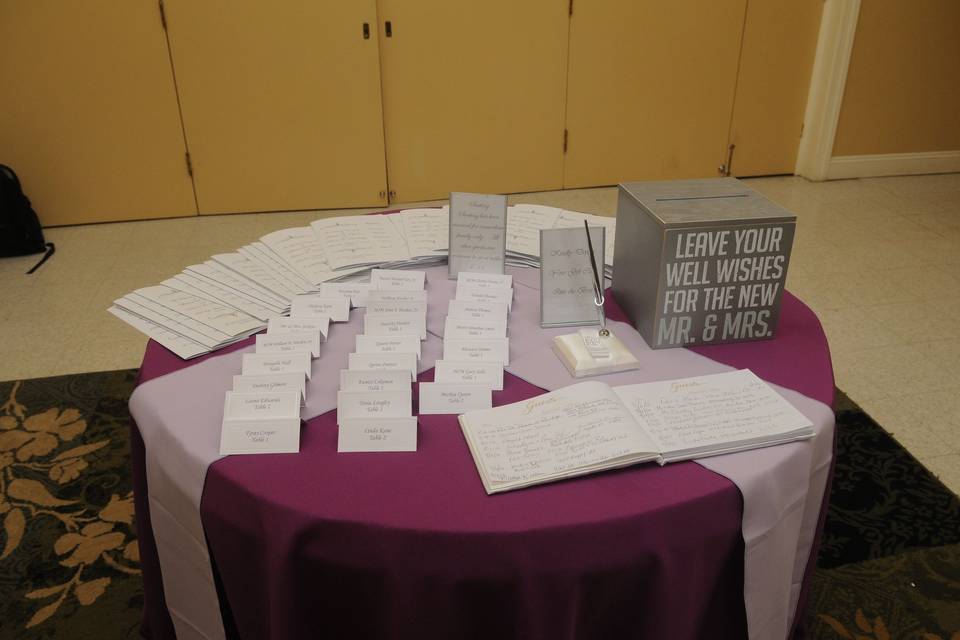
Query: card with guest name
{"points": [[489, 374], [378, 307], [297, 325], [239, 405], [396, 295], [383, 361], [357, 292], [268, 363], [377, 434], [380, 404], [477, 310], [289, 342], [566, 277], [485, 280], [488, 295], [260, 423], [272, 383], [397, 279], [466, 329], [478, 233], [385, 380], [388, 344], [477, 350], [389, 324], [441, 398], [310, 305]]}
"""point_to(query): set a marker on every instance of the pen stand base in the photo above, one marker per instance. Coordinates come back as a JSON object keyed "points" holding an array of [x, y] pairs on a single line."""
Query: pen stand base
{"points": [[573, 353]]}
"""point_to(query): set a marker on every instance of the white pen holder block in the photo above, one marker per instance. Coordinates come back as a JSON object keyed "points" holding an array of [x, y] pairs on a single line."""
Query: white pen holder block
{"points": [[572, 351]]}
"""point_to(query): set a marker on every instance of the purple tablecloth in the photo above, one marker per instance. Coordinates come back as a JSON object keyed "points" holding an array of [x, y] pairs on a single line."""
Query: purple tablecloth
{"points": [[409, 545]]}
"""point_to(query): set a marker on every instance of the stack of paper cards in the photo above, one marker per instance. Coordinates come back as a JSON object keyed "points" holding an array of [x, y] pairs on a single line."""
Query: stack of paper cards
{"points": [[261, 422]]}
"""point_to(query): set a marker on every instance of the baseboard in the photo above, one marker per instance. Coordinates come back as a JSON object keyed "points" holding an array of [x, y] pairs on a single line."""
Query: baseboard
{"points": [[893, 164]]}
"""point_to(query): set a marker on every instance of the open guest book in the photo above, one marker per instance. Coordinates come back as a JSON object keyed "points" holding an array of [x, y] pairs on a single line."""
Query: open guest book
{"points": [[590, 427]]}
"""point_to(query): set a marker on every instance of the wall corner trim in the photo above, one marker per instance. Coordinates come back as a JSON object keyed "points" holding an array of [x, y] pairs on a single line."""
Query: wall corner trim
{"points": [[838, 25]]}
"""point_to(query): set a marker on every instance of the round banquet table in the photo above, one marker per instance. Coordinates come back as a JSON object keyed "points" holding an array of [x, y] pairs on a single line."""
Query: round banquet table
{"points": [[408, 545]]}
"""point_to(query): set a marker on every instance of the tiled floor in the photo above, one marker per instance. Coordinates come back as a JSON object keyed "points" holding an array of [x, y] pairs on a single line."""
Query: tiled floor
{"points": [[878, 259]]}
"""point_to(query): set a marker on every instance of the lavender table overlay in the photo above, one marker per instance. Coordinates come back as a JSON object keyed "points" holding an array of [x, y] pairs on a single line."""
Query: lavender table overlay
{"points": [[396, 545]]}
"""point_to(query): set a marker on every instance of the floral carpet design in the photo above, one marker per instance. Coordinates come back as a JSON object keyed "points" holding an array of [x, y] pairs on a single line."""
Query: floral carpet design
{"points": [[888, 568]]}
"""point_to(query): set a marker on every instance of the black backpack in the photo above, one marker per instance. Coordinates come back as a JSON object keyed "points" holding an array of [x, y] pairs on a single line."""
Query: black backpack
{"points": [[20, 231]]}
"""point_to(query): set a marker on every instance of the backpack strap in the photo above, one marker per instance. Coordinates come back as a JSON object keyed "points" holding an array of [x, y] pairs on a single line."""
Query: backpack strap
{"points": [[51, 249]]}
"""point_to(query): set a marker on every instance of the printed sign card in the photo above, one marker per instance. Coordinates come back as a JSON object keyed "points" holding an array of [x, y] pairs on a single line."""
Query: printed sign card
{"points": [[356, 292], [487, 295], [440, 398], [477, 350], [478, 233], [297, 325], [388, 344], [397, 280], [377, 434], [467, 329], [477, 310], [386, 380], [269, 363], [488, 374], [379, 404], [395, 324], [383, 362], [272, 383], [566, 277], [260, 423], [396, 295], [289, 342], [485, 280], [310, 305]]}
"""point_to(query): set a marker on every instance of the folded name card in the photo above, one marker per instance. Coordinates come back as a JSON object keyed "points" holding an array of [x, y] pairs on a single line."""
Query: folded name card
{"points": [[393, 279], [379, 404], [477, 350], [387, 324], [378, 307], [477, 310], [386, 380], [489, 374], [485, 280], [260, 423], [289, 342], [407, 343], [383, 361], [437, 397], [272, 383], [297, 325], [474, 294], [308, 304], [263, 363], [396, 295], [461, 329], [357, 292], [377, 434]]}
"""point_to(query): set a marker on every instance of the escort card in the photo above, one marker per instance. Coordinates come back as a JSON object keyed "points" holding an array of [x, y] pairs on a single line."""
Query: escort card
{"points": [[272, 383], [485, 280], [261, 406], [268, 363], [488, 374], [380, 404], [478, 233], [289, 342], [377, 307], [397, 279], [383, 361], [397, 296], [477, 350], [388, 344], [387, 380], [566, 277], [387, 324], [473, 294], [296, 325], [377, 434], [477, 310], [357, 292], [466, 329], [308, 304], [436, 397], [260, 423]]}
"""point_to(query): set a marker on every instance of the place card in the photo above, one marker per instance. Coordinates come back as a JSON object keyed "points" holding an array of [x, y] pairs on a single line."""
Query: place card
{"points": [[489, 374], [386, 324], [377, 434], [397, 279], [397, 296], [380, 404], [485, 280], [260, 423], [478, 233], [308, 304], [566, 277], [497, 296], [388, 344], [440, 398], [386, 380], [377, 307], [357, 292], [468, 329], [477, 310], [272, 383], [296, 325], [383, 362], [289, 342], [477, 350], [269, 363]]}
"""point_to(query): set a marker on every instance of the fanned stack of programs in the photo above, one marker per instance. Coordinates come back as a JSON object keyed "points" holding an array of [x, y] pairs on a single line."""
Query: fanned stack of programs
{"points": [[233, 295], [590, 427]]}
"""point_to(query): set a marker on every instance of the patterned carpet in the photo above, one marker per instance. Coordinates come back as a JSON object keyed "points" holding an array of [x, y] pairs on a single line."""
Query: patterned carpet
{"points": [[889, 563]]}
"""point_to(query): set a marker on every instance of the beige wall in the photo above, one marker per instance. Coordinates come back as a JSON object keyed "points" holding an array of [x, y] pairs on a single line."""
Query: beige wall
{"points": [[903, 85]]}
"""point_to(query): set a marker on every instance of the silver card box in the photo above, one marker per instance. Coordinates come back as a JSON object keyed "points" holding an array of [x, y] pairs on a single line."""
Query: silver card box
{"points": [[700, 261]]}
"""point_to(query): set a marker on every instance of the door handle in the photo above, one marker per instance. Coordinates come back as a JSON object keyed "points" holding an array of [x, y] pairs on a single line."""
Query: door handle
{"points": [[366, 30], [388, 29]]}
